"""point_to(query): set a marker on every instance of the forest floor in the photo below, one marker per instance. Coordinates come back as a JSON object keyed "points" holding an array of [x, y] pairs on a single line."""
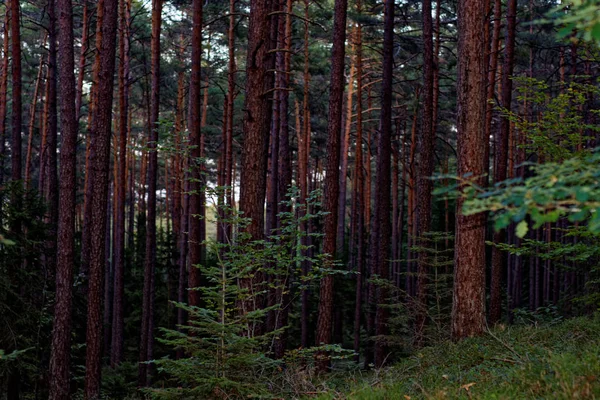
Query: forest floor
{"points": [[558, 360]]}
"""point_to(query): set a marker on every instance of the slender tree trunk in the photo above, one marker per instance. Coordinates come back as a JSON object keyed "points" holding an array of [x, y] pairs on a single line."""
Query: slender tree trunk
{"points": [[180, 216], [341, 226], [196, 198], [3, 90], [32, 111], [383, 185], [331, 185], [116, 354], [15, 27], [99, 162], [410, 223], [358, 189], [50, 189], [303, 154], [85, 45], [402, 207], [285, 170], [89, 170], [501, 159], [61, 332], [426, 166], [147, 327], [231, 83], [468, 308]]}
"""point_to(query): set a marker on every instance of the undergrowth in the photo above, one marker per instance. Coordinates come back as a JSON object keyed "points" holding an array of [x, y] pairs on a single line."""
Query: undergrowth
{"points": [[554, 361]]}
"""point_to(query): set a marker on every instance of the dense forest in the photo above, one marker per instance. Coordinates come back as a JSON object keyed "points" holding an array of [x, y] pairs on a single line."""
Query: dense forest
{"points": [[294, 198]]}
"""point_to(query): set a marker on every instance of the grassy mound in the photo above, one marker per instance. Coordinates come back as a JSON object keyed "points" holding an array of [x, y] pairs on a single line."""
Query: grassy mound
{"points": [[560, 361]]}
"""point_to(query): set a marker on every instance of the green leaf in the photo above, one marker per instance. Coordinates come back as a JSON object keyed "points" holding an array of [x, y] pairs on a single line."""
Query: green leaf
{"points": [[566, 31], [582, 194], [522, 229], [501, 221], [596, 31]]}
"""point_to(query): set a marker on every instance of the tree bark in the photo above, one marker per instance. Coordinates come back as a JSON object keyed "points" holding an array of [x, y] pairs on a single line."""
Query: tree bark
{"points": [[85, 45], [196, 198], [331, 184], [357, 221], [15, 40], [341, 223], [147, 327], [285, 171], [89, 170], [3, 90], [32, 112], [468, 308], [383, 185], [61, 332], [426, 166], [501, 159], [302, 177], [99, 163], [116, 354]]}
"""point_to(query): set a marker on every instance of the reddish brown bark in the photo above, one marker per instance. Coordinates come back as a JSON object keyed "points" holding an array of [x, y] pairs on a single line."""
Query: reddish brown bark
{"points": [[3, 90], [89, 171], [381, 252], [284, 180], [468, 308], [302, 177], [32, 112], [15, 40], [116, 354], [147, 328], [501, 159], [85, 45], [331, 184], [341, 226], [61, 332], [99, 163], [357, 221], [426, 166], [196, 198]]}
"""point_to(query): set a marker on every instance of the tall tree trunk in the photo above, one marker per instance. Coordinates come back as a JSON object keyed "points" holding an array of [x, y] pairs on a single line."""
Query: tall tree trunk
{"points": [[303, 154], [196, 198], [147, 327], [468, 308], [501, 159], [89, 170], [331, 184], [285, 168], [257, 118], [411, 228], [357, 220], [85, 45], [116, 354], [380, 252], [50, 189], [426, 166], [61, 332], [231, 88], [15, 38], [3, 90], [99, 163], [32, 112], [341, 223]]}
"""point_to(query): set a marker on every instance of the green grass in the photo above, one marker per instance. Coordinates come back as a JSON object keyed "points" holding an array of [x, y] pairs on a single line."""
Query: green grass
{"points": [[559, 361]]}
